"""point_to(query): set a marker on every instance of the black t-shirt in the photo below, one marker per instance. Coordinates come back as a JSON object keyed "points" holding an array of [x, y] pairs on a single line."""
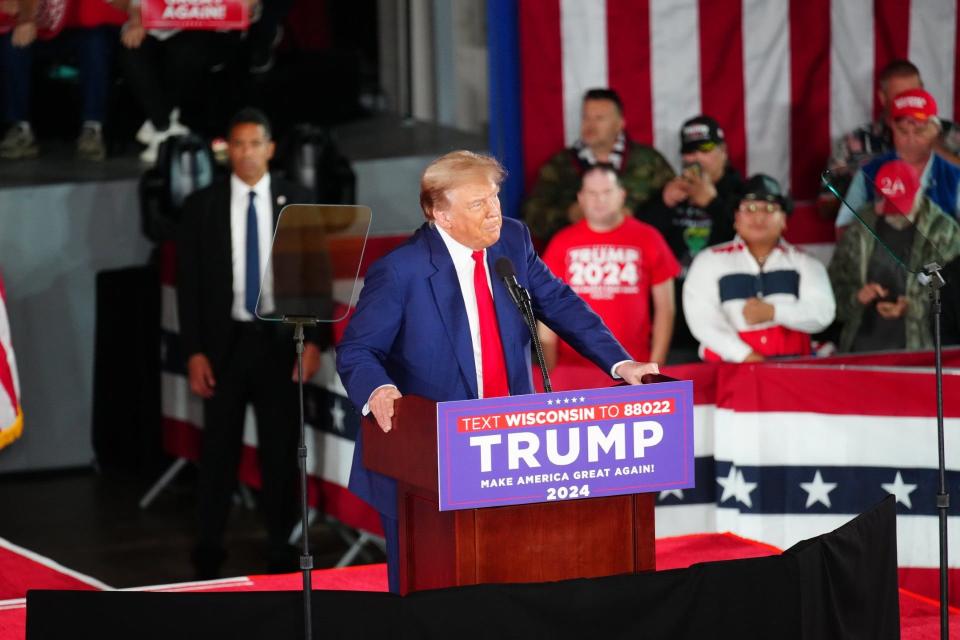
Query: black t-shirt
{"points": [[688, 229]]}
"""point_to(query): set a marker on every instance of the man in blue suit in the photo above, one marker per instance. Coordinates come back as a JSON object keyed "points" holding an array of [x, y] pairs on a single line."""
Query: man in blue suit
{"points": [[431, 321]]}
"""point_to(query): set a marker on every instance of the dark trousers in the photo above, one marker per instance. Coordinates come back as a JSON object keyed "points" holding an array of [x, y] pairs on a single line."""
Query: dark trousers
{"points": [[163, 73], [391, 534], [93, 48], [257, 371]]}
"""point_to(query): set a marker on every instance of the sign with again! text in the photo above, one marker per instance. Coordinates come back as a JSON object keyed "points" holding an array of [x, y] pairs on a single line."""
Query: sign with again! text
{"points": [[565, 445], [194, 14]]}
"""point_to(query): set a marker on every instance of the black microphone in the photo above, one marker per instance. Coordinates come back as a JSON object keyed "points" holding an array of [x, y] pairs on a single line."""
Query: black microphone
{"points": [[521, 297], [504, 268]]}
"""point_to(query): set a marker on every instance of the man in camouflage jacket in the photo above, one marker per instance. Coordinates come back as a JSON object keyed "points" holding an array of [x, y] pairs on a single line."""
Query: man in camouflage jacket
{"points": [[642, 170], [937, 238]]}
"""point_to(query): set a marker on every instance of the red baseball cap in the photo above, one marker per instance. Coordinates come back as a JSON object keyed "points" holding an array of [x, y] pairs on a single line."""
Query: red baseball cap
{"points": [[913, 103], [897, 183]]}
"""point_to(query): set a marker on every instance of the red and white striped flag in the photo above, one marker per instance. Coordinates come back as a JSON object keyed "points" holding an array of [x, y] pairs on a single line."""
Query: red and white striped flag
{"points": [[785, 78], [11, 414]]}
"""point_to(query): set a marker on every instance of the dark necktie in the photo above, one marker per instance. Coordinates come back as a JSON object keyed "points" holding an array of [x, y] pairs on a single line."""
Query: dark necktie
{"points": [[491, 348], [252, 280]]}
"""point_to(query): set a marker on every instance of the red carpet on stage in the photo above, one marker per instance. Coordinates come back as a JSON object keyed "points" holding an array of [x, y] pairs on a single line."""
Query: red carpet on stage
{"points": [[21, 570]]}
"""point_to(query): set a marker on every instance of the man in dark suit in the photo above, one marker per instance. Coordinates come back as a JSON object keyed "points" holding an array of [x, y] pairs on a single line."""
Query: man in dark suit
{"points": [[232, 358], [433, 321]]}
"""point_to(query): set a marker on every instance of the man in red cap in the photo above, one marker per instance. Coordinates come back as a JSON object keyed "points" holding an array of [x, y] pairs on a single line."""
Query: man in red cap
{"points": [[915, 129], [881, 304], [857, 147]]}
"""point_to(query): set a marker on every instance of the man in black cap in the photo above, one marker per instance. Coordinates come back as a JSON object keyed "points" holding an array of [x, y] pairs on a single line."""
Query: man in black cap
{"points": [[757, 296], [696, 208]]}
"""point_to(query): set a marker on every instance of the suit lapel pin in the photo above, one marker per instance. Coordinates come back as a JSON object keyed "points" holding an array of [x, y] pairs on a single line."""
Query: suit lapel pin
{"points": [[281, 200]]}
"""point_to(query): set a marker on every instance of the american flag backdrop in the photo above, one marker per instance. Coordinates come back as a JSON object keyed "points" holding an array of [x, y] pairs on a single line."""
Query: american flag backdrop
{"points": [[785, 78]]}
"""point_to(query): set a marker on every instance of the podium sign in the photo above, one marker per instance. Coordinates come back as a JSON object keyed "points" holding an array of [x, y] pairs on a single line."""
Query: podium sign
{"points": [[564, 446]]}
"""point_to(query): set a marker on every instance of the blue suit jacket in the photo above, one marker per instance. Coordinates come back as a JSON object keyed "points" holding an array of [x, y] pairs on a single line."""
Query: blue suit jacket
{"points": [[410, 329]]}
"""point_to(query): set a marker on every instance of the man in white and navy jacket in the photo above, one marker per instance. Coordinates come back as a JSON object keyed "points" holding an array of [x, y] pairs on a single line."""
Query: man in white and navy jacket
{"points": [[757, 296]]}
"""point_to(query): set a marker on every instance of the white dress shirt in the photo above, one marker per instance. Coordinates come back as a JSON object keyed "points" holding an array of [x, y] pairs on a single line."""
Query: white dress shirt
{"points": [[239, 202]]}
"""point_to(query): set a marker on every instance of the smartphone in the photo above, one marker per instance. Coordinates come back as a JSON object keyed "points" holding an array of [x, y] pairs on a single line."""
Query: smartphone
{"points": [[692, 170]]}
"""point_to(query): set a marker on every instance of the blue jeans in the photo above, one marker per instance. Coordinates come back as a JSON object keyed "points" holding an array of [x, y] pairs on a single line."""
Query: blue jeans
{"points": [[94, 49]]}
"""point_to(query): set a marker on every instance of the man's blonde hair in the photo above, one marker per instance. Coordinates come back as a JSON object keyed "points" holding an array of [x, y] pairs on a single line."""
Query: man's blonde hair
{"points": [[452, 170]]}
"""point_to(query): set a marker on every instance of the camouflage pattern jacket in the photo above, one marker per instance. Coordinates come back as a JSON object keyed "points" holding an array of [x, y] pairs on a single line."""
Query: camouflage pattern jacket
{"points": [[848, 271], [643, 174]]}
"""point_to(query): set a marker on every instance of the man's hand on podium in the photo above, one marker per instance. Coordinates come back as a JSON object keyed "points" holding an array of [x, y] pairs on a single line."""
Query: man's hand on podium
{"points": [[633, 372], [381, 406]]}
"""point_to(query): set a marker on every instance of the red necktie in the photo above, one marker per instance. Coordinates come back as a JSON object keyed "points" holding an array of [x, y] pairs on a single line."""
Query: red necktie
{"points": [[491, 349]]}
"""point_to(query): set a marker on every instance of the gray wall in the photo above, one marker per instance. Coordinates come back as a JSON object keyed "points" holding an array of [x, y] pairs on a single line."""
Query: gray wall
{"points": [[391, 188], [433, 61], [53, 241]]}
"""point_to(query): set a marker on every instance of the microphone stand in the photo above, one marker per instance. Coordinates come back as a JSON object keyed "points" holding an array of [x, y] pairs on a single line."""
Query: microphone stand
{"points": [[535, 336], [933, 280], [306, 560], [521, 297]]}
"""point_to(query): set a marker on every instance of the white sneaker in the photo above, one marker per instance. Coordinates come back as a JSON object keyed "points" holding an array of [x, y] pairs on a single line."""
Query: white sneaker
{"points": [[149, 155], [177, 129], [146, 131], [19, 142]]}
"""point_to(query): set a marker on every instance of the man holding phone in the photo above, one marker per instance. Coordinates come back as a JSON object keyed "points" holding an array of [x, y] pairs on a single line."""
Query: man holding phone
{"points": [[880, 304], [696, 208]]}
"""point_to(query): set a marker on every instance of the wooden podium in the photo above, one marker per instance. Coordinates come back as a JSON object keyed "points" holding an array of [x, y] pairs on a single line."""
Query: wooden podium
{"points": [[525, 543]]}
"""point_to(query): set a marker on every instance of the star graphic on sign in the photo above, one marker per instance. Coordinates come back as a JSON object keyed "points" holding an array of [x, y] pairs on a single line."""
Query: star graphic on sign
{"points": [[677, 493], [736, 486], [338, 414], [818, 490], [900, 490], [566, 401], [550, 402], [582, 399]]}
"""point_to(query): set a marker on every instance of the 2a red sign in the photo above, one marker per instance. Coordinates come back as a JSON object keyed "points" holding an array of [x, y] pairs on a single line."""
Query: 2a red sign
{"points": [[194, 14]]}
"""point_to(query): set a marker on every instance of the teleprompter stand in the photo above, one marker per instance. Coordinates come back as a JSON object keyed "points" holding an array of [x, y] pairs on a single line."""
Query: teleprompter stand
{"points": [[306, 560], [315, 247]]}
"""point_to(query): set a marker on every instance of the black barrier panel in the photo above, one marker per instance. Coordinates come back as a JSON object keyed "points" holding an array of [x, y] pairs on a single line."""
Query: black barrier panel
{"points": [[842, 584]]}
